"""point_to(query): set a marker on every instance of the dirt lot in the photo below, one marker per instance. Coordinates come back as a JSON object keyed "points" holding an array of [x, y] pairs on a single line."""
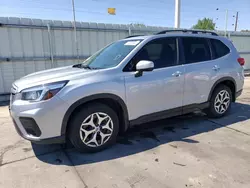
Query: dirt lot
{"points": [[187, 151]]}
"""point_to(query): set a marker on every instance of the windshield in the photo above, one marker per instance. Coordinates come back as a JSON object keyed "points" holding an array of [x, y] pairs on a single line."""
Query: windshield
{"points": [[111, 55]]}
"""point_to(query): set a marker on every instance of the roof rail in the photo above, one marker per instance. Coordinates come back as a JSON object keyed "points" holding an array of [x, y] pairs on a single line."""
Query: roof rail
{"points": [[133, 36], [187, 30]]}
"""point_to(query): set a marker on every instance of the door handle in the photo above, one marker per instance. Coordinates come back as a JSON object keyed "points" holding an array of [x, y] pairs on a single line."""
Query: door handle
{"points": [[177, 74], [216, 68]]}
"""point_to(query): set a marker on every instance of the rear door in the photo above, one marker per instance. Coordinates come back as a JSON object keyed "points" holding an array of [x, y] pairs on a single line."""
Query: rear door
{"points": [[200, 69]]}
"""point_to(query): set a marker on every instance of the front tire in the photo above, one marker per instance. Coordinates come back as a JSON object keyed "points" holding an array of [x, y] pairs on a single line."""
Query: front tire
{"points": [[220, 102], [94, 128]]}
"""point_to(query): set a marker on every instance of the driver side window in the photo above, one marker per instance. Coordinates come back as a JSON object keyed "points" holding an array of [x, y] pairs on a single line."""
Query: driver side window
{"points": [[163, 52]]}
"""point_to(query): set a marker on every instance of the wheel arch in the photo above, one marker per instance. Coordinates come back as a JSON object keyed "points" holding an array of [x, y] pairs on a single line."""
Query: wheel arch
{"points": [[111, 100], [228, 81]]}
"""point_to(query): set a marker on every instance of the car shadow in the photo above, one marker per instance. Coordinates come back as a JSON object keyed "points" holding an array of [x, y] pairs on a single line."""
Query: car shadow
{"points": [[150, 135]]}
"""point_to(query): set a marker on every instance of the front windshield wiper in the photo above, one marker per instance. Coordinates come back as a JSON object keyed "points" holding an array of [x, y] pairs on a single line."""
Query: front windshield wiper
{"points": [[84, 66], [77, 65]]}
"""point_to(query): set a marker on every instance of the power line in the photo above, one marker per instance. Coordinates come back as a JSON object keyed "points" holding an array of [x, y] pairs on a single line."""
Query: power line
{"points": [[161, 2], [135, 5], [164, 14], [41, 5], [95, 12], [89, 12], [123, 14]]}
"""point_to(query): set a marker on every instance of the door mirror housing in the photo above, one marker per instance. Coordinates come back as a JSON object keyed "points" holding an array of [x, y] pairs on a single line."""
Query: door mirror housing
{"points": [[142, 66], [145, 65]]}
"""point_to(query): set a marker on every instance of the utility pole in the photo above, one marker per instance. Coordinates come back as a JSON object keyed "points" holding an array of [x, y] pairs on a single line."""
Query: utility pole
{"points": [[226, 18], [74, 24], [236, 21], [177, 13]]}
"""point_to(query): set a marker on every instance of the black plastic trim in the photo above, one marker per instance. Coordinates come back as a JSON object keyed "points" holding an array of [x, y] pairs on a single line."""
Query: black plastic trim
{"points": [[54, 140], [169, 113], [192, 107], [30, 126], [156, 116], [238, 93], [133, 36], [92, 98], [187, 30], [210, 48], [178, 51], [182, 57]]}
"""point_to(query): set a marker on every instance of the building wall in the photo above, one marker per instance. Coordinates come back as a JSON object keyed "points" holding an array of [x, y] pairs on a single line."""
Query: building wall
{"points": [[242, 43], [30, 45]]}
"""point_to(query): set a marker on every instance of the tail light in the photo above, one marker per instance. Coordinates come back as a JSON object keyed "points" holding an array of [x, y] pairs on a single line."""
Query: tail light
{"points": [[241, 61]]}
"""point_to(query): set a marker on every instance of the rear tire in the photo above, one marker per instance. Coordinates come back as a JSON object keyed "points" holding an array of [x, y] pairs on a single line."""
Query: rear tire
{"points": [[220, 102], [94, 128]]}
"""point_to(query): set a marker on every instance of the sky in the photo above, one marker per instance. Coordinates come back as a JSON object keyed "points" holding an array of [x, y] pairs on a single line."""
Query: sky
{"points": [[148, 12]]}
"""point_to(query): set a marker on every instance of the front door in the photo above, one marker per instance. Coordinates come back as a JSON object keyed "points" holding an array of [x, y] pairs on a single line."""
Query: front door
{"points": [[159, 90]]}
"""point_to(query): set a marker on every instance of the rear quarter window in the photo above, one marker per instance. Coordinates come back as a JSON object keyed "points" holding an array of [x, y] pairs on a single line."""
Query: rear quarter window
{"points": [[219, 48]]}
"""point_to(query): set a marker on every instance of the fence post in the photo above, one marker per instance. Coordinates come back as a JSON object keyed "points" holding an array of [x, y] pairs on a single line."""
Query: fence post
{"points": [[129, 31], [50, 47]]}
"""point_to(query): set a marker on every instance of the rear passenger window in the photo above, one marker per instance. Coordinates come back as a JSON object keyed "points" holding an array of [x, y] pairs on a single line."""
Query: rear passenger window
{"points": [[196, 49], [219, 48]]}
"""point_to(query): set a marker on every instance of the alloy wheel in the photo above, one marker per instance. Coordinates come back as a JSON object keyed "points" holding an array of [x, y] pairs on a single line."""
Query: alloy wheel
{"points": [[96, 129], [222, 102]]}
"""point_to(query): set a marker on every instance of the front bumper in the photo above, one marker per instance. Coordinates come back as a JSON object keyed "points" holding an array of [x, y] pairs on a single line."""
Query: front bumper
{"points": [[48, 116], [55, 140]]}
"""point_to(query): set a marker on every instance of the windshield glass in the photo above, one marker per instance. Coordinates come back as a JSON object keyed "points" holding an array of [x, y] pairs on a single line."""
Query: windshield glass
{"points": [[111, 55]]}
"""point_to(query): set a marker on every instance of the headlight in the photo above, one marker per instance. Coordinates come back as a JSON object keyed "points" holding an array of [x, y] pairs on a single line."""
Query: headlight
{"points": [[42, 92]]}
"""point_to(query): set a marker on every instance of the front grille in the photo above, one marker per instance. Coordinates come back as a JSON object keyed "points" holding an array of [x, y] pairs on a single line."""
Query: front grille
{"points": [[30, 126]]}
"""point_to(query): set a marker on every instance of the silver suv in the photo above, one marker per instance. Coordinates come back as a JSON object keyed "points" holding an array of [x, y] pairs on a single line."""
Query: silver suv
{"points": [[129, 82]]}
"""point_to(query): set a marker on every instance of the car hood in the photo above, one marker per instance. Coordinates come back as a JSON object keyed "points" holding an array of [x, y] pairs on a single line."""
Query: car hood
{"points": [[52, 75]]}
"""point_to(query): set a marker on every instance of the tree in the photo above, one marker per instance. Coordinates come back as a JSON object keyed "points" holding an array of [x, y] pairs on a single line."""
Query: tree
{"points": [[205, 23]]}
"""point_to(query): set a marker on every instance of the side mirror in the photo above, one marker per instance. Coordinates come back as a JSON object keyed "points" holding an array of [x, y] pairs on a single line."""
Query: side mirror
{"points": [[142, 66]]}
